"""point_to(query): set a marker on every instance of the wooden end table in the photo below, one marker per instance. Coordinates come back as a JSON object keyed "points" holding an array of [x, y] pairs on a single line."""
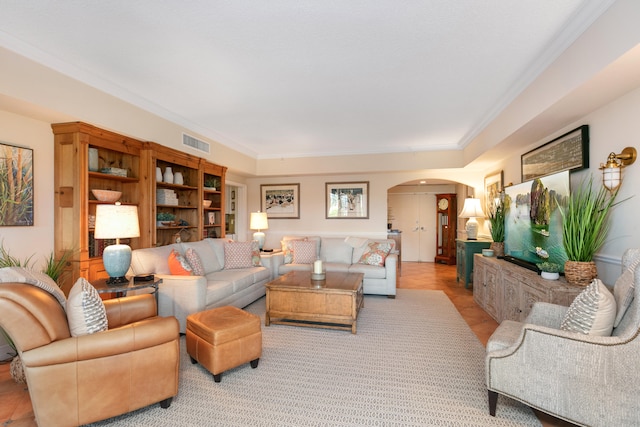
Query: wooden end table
{"points": [[294, 299]]}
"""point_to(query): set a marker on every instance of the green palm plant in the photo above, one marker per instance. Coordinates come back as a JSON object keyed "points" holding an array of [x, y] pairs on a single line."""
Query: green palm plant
{"points": [[496, 222]]}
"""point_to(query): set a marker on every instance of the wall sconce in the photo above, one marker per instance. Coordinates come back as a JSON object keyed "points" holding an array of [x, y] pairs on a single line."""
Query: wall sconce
{"points": [[612, 170], [472, 210], [116, 222], [259, 222]]}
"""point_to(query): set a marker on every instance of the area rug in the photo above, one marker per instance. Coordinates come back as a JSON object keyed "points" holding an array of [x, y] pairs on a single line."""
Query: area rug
{"points": [[413, 362]]}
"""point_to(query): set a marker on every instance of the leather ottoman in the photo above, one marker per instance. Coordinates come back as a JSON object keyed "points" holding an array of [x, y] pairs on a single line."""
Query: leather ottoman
{"points": [[223, 338]]}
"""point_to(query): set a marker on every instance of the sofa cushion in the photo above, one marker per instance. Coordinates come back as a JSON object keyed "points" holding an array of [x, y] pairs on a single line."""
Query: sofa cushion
{"points": [[287, 248], [334, 249], [207, 255], [178, 265], [592, 312], [304, 251], [85, 310], [241, 255], [369, 271], [360, 250], [623, 290], [151, 260], [32, 277], [217, 290], [375, 253]]}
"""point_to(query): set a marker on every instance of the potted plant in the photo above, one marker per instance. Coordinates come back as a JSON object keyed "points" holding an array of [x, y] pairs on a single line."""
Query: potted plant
{"points": [[549, 270], [496, 227], [164, 218], [585, 223]]}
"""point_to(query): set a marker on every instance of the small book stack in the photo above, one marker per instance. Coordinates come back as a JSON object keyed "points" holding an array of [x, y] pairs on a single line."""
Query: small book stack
{"points": [[165, 196]]}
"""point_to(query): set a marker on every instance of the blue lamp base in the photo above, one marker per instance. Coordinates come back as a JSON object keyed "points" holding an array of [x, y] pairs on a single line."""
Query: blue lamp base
{"points": [[116, 260]]}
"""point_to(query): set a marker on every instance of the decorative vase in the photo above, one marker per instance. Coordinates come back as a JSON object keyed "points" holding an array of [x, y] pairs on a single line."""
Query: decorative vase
{"points": [[168, 175], [498, 248], [16, 370], [177, 178], [94, 163], [550, 276], [580, 272], [158, 174]]}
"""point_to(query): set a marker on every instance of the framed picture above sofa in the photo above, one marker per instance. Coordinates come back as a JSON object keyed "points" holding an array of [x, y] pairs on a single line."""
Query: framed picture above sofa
{"points": [[347, 200], [280, 200]]}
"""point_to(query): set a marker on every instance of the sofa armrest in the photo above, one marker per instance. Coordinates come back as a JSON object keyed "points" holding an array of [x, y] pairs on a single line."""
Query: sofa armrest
{"points": [[391, 266], [277, 259], [135, 336], [546, 314], [122, 311], [180, 296]]}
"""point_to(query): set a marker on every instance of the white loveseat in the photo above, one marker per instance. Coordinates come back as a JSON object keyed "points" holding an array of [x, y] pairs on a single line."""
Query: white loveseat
{"points": [[344, 254], [180, 296]]}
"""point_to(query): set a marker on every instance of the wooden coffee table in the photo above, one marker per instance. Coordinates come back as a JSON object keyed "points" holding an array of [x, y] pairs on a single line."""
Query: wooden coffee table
{"points": [[294, 299]]}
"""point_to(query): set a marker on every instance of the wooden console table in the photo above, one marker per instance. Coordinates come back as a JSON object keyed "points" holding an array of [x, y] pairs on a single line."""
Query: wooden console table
{"points": [[507, 291]]}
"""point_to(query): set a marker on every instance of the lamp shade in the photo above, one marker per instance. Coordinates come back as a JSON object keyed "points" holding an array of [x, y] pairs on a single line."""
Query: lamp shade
{"points": [[116, 222], [258, 221], [471, 209]]}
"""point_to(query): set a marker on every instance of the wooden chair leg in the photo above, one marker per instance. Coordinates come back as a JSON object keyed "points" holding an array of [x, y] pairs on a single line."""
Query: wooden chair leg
{"points": [[493, 402]]}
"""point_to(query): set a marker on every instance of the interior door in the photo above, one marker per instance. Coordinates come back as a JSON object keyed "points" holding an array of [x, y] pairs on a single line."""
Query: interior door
{"points": [[415, 215]]}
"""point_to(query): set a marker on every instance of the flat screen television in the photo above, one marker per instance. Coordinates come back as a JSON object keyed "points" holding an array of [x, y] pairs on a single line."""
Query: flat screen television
{"points": [[533, 223]]}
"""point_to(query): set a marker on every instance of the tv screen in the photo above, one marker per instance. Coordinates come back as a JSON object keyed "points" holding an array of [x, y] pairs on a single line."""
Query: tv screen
{"points": [[533, 222]]}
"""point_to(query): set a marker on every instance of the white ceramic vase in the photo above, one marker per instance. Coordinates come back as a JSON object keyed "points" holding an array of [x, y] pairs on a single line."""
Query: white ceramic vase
{"points": [[168, 175], [158, 174], [94, 163], [549, 276], [177, 178]]}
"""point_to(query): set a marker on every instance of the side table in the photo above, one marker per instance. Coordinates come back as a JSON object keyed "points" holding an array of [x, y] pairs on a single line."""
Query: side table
{"points": [[465, 249], [121, 289]]}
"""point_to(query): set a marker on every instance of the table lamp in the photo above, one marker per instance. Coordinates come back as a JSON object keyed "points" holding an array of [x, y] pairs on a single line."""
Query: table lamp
{"points": [[259, 222], [472, 210], [116, 222]]}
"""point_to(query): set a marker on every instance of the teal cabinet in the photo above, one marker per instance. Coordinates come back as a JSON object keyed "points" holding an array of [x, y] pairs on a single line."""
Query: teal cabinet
{"points": [[465, 249]]}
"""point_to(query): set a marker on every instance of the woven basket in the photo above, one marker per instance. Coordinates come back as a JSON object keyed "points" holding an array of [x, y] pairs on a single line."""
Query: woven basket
{"points": [[498, 248], [16, 370], [580, 273]]}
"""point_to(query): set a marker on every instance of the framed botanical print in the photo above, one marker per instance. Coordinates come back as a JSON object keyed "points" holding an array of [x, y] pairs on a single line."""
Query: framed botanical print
{"points": [[16, 191]]}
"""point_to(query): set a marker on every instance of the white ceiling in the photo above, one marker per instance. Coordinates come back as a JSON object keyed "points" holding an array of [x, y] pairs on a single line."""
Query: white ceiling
{"points": [[287, 78]]}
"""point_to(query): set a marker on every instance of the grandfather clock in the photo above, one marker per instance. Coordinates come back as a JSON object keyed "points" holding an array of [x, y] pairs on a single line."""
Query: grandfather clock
{"points": [[446, 228]]}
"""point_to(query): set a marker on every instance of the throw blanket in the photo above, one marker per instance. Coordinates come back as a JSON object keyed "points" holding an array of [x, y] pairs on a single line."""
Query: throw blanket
{"points": [[35, 278]]}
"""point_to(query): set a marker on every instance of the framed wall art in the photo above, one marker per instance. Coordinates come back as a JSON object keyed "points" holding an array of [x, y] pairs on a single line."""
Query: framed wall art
{"points": [[568, 152], [493, 185], [16, 193], [347, 200], [280, 200]]}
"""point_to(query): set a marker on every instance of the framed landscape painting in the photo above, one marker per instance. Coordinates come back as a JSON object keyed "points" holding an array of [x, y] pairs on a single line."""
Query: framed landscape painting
{"points": [[16, 191], [280, 200], [347, 200]]}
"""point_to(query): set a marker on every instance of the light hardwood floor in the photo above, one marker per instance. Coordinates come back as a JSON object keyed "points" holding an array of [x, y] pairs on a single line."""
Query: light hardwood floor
{"points": [[15, 405]]}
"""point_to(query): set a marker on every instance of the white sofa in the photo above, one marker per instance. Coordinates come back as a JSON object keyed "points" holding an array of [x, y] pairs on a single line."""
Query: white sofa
{"points": [[180, 296], [343, 254]]}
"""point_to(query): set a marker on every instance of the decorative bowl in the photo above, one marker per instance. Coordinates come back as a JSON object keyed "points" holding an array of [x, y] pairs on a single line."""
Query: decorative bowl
{"points": [[487, 252], [206, 203], [107, 196]]}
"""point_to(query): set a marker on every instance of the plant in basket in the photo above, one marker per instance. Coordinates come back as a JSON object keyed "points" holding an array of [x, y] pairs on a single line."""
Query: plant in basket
{"points": [[585, 224]]}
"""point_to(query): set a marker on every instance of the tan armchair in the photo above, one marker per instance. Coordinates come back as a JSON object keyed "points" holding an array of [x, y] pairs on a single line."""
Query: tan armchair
{"points": [[78, 380], [585, 379]]}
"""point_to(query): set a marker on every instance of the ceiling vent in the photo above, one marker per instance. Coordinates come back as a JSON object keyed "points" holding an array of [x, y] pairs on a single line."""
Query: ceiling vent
{"points": [[195, 143]]}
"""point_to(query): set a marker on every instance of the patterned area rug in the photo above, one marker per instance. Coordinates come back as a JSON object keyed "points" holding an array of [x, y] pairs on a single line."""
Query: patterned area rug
{"points": [[413, 362]]}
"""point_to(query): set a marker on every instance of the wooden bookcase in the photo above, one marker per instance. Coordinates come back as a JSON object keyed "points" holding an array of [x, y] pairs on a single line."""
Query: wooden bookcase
{"points": [[213, 218], [74, 203]]}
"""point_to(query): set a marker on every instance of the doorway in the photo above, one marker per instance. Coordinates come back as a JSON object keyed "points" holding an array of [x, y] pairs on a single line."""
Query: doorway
{"points": [[415, 215]]}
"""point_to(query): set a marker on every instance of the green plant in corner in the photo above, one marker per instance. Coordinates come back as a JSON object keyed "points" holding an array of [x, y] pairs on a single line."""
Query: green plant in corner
{"points": [[496, 222], [55, 267]]}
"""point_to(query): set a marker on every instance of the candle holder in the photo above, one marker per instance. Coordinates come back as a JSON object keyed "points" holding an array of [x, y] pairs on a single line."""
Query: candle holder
{"points": [[318, 276], [318, 273]]}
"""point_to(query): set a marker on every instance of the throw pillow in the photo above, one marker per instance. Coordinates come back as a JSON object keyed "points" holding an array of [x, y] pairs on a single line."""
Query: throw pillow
{"points": [[178, 265], [376, 253], [592, 312], [194, 261], [287, 249], [241, 255], [304, 252], [85, 310]]}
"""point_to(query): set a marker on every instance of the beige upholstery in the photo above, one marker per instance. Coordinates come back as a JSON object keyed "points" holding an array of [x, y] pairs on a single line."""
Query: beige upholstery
{"points": [[78, 380], [224, 338], [585, 379]]}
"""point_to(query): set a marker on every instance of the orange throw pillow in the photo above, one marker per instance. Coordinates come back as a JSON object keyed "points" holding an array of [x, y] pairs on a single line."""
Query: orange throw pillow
{"points": [[178, 265]]}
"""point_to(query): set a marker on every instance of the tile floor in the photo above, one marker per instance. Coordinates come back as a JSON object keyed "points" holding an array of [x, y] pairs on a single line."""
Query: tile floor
{"points": [[15, 405]]}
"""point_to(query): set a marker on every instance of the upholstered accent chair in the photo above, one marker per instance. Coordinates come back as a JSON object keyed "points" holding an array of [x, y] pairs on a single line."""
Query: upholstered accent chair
{"points": [[78, 380], [585, 379]]}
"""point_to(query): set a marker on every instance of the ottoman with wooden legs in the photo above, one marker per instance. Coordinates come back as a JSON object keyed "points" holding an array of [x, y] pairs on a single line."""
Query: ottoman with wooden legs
{"points": [[223, 338]]}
